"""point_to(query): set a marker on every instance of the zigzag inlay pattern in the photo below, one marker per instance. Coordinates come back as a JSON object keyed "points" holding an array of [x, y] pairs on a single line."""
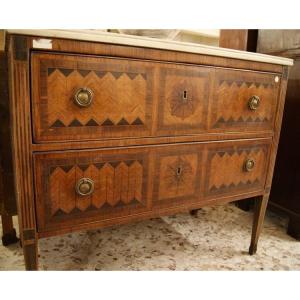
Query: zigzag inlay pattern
{"points": [[117, 184], [232, 102], [247, 84], [232, 186], [239, 152], [120, 99], [232, 121], [227, 172], [100, 74], [92, 122], [104, 207]]}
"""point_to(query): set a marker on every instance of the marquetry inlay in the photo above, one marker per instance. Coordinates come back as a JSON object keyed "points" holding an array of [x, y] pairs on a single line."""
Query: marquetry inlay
{"points": [[117, 184], [178, 175], [183, 98], [121, 97], [234, 90], [226, 169]]}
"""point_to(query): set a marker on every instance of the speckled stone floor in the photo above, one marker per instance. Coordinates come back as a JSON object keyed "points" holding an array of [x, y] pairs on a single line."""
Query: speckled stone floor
{"points": [[217, 238]]}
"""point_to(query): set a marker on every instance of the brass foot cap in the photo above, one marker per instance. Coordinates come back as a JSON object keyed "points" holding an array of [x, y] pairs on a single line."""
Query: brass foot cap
{"points": [[252, 249]]}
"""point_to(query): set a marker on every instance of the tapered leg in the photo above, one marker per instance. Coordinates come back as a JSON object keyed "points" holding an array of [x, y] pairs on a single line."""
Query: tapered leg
{"points": [[30, 249], [9, 233], [258, 219], [31, 256]]}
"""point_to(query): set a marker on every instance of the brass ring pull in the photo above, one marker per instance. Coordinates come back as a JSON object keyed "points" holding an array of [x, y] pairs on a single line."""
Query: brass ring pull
{"points": [[253, 102], [249, 165], [83, 97], [84, 187]]}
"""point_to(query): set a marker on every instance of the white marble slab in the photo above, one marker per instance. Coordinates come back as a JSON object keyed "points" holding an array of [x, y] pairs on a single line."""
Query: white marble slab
{"points": [[123, 39]]}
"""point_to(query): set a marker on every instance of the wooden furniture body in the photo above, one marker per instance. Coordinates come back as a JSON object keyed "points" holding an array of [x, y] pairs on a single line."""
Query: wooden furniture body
{"points": [[154, 129], [8, 232], [7, 195], [240, 39], [284, 194]]}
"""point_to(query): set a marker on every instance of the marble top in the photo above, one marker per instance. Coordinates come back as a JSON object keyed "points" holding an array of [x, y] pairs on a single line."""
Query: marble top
{"points": [[123, 39]]}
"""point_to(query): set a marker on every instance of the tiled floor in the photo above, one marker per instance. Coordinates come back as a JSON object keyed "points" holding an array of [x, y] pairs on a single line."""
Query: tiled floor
{"points": [[216, 239]]}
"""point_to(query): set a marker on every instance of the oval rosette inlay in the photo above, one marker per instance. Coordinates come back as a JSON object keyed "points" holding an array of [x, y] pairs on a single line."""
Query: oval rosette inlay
{"points": [[179, 173], [182, 102]]}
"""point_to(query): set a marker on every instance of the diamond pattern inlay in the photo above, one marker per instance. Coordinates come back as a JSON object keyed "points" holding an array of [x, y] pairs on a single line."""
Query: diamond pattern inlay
{"points": [[227, 172], [66, 72], [119, 98], [92, 122], [232, 96], [117, 184]]}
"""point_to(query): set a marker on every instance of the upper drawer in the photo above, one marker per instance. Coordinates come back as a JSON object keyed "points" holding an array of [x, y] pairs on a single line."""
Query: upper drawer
{"points": [[81, 97], [243, 100], [87, 98]]}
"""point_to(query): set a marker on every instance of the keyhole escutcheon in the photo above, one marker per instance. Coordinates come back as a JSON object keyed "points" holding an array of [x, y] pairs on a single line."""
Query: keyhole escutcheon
{"points": [[178, 171], [184, 95]]}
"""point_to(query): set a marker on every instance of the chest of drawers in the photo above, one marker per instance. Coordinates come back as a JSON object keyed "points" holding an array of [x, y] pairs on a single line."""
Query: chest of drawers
{"points": [[108, 129]]}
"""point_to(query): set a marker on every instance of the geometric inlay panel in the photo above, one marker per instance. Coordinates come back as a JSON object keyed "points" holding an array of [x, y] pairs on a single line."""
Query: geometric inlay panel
{"points": [[226, 171], [232, 92], [120, 106], [65, 121], [183, 99], [117, 184], [177, 175]]}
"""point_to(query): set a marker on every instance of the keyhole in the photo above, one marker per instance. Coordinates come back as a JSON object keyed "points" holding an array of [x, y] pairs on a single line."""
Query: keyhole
{"points": [[178, 172], [184, 95]]}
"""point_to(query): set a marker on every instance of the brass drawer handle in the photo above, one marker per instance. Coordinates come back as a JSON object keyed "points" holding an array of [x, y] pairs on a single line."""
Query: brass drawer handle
{"points": [[253, 102], [249, 165], [83, 97], [85, 187]]}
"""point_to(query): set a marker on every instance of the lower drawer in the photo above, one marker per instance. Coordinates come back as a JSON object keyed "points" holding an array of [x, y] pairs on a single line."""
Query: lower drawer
{"points": [[79, 187]]}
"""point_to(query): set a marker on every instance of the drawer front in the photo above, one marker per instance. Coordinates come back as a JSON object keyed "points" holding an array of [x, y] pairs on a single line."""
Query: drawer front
{"points": [[123, 98], [244, 100], [77, 187], [80, 97], [183, 99], [235, 168], [177, 175]]}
